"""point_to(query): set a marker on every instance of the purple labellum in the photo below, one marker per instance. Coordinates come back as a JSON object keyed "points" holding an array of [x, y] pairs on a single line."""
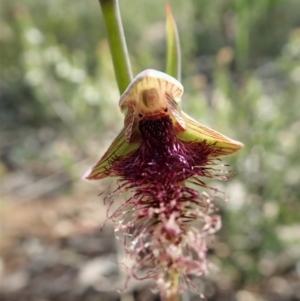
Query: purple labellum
{"points": [[158, 221]]}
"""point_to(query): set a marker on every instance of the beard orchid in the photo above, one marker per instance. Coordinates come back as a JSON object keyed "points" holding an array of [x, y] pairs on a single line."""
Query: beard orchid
{"points": [[161, 156]]}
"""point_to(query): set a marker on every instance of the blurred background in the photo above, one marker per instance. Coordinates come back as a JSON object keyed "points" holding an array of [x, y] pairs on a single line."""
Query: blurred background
{"points": [[59, 112]]}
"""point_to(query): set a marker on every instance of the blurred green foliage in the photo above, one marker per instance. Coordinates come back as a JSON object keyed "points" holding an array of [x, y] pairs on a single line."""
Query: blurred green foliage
{"points": [[241, 72]]}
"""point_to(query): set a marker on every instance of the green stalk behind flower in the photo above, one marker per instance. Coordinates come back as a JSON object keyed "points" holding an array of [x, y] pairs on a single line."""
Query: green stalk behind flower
{"points": [[117, 43]]}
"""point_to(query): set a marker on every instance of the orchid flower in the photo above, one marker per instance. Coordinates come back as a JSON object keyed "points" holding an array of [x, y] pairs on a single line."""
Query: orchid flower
{"points": [[157, 153]]}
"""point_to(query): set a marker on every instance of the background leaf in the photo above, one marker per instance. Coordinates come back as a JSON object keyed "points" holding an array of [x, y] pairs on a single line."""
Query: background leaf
{"points": [[173, 59]]}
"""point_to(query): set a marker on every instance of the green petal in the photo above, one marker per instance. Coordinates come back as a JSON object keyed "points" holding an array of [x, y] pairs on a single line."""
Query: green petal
{"points": [[197, 132], [118, 148]]}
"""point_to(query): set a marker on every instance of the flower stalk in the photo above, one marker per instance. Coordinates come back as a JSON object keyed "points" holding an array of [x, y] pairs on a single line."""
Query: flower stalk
{"points": [[117, 43]]}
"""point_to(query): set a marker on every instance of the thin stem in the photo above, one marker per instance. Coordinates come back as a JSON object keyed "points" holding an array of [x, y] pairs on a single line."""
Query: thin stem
{"points": [[117, 43], [172, 298], [173, 290]]}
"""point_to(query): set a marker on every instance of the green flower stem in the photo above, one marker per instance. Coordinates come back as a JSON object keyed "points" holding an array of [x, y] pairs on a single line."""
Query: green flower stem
{"points": [[173, 294], [117, 43]]}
